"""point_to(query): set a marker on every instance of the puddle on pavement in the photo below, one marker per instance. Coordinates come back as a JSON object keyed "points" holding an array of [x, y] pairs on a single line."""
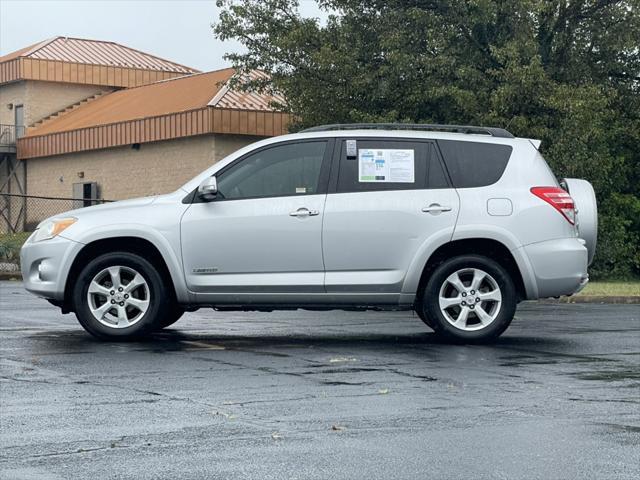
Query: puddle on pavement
{"points": [[342, 370], [621, 433], [549, 358], [335, 383], [623, 428], [609, 375]]}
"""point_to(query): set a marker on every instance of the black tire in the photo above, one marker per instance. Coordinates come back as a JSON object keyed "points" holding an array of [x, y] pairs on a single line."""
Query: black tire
{"points": [[160, 297], [172, 316], [431, 308], [421, 314]]}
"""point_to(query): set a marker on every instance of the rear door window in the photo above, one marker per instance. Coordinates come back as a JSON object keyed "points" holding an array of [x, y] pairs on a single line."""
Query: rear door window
{"points": [[379, 164], [436, 176], [474, 164]]}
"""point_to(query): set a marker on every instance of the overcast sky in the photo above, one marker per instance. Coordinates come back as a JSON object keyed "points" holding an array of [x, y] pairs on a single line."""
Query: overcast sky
{"points": [[177, 30]]}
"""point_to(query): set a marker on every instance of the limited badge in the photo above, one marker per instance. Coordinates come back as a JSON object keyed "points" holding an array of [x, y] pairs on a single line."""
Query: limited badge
{"points": [[205, 270]]}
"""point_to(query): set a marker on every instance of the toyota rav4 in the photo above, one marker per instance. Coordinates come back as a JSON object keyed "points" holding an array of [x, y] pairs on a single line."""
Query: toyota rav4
{"points": [[457, 223]]}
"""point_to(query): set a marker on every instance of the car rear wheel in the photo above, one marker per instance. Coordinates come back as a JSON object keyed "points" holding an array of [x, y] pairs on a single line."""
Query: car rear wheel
{"points": [[120, 296], [469, 298]]}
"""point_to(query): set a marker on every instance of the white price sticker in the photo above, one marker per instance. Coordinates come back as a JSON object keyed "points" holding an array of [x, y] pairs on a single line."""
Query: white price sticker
{"points": [[386, 165]]}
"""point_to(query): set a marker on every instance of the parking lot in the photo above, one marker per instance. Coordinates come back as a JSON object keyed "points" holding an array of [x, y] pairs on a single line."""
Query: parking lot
{"points": [[320, 395]]}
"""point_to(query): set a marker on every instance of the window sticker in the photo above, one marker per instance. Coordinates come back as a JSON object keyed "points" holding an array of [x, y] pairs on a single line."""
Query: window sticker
{"points": [[386, 166]]}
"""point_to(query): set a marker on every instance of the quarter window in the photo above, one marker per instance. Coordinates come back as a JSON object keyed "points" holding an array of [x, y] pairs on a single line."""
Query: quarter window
{"points": [[474, 164], [283, 170]]}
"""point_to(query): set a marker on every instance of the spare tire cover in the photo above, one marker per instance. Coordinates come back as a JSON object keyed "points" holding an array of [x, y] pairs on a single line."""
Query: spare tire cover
{"points": [[584, 198]]}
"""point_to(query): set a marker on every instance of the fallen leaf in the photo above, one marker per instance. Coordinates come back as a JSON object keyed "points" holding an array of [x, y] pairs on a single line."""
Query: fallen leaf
{"points": [[224, 414]]}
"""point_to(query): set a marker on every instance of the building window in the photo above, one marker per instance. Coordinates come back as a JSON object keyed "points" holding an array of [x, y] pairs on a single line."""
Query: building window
{"points": [[19, 120]]}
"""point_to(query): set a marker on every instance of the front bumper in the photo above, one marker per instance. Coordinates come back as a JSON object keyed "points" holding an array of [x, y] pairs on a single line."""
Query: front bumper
{"points": [[46, 265], [559, 266]]}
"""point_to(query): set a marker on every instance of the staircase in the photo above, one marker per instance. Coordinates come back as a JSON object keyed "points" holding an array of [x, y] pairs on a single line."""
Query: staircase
{"points": [[70, 108]]}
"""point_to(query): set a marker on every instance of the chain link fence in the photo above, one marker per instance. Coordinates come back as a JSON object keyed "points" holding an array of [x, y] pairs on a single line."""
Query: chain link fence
{"points": [[22, 213]]}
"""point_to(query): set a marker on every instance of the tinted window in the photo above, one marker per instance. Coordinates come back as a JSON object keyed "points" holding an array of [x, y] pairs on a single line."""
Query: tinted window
{"points": [[410, 172], [437, 178], [283, 170], [472, 164]]}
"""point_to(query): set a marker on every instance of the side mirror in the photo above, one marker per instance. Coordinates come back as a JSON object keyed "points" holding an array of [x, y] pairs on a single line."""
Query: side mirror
{"points": [[208, 189]]}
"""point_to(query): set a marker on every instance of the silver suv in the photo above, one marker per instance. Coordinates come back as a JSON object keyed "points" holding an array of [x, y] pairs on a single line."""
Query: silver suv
{"points": [[457, 223]]}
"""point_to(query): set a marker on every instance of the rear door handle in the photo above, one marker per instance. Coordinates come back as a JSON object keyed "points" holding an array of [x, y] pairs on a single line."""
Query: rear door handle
{"points": [[304, 212], [436, 208]]}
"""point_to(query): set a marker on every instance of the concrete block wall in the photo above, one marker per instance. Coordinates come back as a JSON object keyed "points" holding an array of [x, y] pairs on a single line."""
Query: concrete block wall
{"points": [[41, 99]]}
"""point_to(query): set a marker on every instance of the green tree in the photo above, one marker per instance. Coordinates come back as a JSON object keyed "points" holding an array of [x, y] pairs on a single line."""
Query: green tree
{"points": [[564, 71]]}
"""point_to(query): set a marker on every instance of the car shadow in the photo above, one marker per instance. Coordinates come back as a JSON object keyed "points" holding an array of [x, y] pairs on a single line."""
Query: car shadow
{"points": [[174, 339]]}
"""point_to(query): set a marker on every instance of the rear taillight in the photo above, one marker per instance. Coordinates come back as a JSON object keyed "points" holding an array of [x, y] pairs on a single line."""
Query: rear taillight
{"points": [[558, 199]]}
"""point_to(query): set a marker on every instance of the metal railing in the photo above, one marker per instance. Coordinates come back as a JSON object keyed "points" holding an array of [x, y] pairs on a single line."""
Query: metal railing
{"points": [[9, 134], [22, 213]]}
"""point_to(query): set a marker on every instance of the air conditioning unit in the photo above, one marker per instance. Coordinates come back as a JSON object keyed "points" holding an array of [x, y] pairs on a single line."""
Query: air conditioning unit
{"points": [[85, 194]]}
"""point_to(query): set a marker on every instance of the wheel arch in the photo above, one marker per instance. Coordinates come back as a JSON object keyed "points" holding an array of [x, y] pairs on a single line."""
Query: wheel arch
{"points": [[487, 247], [130, 244]]}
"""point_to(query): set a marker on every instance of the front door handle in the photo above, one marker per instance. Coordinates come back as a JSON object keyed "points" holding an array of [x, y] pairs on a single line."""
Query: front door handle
{"points": [[436, 208], [304, 212]]}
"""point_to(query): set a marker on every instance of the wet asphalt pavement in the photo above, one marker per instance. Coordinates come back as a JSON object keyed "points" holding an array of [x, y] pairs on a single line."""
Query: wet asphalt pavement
{"points": [[289, 395]]}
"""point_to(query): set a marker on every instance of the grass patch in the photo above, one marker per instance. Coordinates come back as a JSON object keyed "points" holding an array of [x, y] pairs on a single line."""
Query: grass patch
{"points": [[10, 245], [612, 289]]}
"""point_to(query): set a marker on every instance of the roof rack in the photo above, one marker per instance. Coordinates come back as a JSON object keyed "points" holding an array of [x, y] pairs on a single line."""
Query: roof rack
{"points": [[494, 132]]}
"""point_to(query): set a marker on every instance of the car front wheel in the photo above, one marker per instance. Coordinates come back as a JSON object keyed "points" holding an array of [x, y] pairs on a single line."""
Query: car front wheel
{"points": [[120, 296], [170, 317], [470, 298]]}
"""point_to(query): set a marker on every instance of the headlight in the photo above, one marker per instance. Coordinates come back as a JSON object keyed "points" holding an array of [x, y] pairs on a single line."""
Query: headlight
{"points": [[52, 228]]}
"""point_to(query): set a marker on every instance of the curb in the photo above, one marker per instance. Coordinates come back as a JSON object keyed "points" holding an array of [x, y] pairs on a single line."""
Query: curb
{"points": [[620, 300]]}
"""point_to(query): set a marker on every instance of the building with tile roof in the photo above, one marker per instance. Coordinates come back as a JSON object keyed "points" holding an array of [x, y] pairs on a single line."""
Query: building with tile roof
{"points": [[82, 112]]}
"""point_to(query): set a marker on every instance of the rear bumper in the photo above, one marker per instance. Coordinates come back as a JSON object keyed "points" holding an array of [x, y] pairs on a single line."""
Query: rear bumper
{"points": [[559, 266], [46, 264]]}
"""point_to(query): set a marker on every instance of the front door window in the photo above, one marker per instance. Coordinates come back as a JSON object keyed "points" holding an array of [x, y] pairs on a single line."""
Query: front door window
{"points": [[284, 170]]}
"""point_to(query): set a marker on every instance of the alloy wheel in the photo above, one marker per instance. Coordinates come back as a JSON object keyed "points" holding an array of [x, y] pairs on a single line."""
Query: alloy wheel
{"points": [[470, 299], [118, 297]]}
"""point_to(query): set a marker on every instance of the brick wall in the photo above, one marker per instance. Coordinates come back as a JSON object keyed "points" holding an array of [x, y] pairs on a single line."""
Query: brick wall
{"points": [[14, 93], [123, 172], [41, 99]]}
